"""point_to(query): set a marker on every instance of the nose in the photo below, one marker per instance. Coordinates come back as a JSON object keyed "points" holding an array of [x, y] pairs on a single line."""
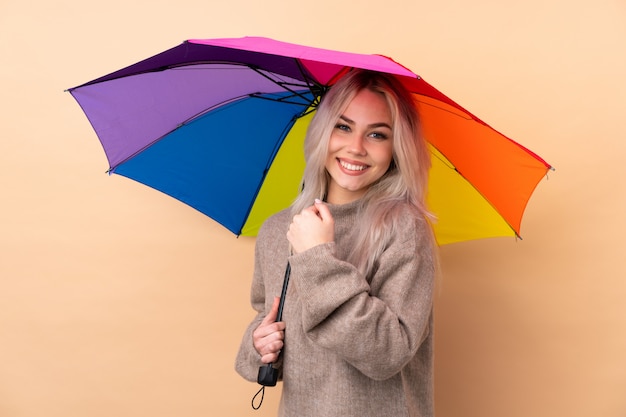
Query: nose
{"points": [[356, 145]]}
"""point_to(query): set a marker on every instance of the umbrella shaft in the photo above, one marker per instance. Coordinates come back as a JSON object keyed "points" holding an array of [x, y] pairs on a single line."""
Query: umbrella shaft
{"points": [[283, 293]]}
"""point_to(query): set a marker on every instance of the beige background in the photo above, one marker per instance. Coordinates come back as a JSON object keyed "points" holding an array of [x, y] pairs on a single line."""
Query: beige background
{"points": [[118, 301]]}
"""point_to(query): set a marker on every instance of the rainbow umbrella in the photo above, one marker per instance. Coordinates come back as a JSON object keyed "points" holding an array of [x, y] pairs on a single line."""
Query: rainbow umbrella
{"points": [[219, 125]]}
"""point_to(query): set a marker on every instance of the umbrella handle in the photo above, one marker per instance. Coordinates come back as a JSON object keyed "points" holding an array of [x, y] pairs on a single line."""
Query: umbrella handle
{"points": [[268, 375]]}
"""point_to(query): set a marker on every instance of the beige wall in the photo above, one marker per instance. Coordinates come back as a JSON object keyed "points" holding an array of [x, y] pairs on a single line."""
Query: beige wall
{"points": [[118, 301]]}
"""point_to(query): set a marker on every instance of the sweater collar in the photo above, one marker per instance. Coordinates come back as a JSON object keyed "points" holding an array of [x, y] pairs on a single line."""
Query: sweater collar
{"points": [[348, 210]]}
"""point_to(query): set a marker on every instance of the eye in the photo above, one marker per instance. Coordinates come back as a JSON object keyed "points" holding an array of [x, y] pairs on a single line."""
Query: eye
{"points": [[342, 126], [379, 135]]}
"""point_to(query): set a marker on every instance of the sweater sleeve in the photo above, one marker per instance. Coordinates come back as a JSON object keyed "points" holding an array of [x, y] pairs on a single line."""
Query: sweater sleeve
{"points": [[376, 326], [248, 359]]}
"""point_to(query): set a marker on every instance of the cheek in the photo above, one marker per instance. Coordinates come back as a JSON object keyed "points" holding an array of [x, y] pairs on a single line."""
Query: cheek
{"points": [[385, 155]]}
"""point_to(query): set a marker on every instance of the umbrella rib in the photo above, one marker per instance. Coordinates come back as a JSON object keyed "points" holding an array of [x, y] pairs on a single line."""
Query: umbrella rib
{"points": [[316, 88], [466, 117], [286, 100], [208, 110], [444, 161], [258, 95], [284, 85]]}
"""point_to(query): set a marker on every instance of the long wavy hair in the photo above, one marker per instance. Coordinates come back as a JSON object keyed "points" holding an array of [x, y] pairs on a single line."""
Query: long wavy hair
{"points": [[405, 182]]}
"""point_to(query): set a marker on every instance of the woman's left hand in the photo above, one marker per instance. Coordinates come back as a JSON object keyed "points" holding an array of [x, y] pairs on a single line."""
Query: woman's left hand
{"points": [[313, 226]]}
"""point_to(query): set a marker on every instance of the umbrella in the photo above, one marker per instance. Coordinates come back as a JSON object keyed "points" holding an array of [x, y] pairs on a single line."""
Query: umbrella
{"points": [[219, 124]]}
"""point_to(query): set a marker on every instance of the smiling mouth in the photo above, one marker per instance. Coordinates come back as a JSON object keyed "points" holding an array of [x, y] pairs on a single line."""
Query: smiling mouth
{"points": [[352, 167]]}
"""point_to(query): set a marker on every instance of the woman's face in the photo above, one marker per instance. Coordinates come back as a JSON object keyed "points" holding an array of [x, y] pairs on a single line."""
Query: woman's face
{"points": [[360, 147]]}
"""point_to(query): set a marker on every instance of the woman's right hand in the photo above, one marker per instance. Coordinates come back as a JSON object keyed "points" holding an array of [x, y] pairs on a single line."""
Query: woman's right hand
{"points": [[268, 337], [311, 227]]}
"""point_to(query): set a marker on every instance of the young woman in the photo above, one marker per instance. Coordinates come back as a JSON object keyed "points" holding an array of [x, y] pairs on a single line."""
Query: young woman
{"points": [[356, 336]]}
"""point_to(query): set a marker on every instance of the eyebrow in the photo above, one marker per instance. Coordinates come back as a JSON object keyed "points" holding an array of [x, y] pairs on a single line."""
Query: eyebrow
{"points": [[373, 125]]}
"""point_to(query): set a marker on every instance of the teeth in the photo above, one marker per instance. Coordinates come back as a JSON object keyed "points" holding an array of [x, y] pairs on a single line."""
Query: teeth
{"points": [[352, 167]]}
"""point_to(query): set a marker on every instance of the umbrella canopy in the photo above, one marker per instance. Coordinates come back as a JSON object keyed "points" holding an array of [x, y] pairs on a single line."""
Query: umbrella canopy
{"points": [[219, 124]]}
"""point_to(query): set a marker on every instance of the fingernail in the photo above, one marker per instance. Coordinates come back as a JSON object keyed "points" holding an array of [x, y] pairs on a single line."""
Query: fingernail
{"points": [[318, 201]]}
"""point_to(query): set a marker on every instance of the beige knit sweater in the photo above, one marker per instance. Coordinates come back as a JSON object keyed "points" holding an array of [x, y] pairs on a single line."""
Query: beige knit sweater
{"points": [[354, 346]]}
